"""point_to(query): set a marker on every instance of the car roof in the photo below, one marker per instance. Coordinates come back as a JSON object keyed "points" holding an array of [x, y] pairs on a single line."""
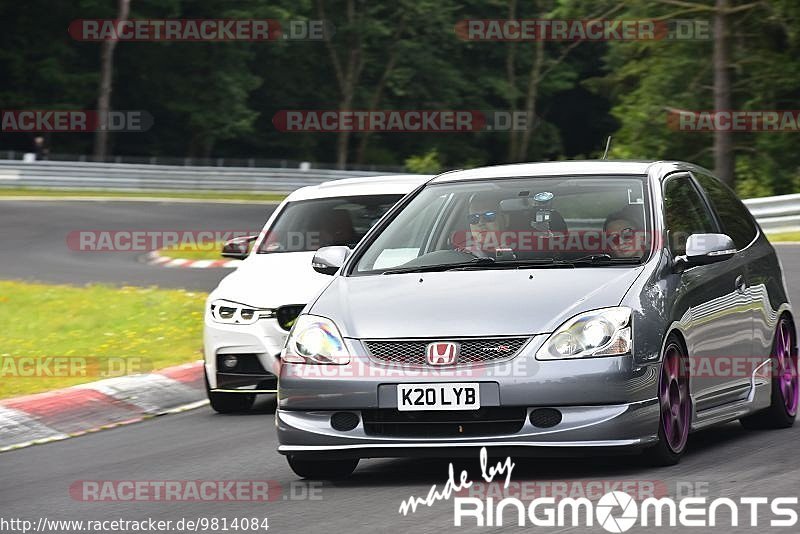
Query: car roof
{"points": [[567, 168], [399, 184]]}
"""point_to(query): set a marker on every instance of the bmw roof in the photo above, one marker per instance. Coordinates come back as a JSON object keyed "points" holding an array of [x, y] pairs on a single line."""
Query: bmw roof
{"points": [[367, 185]]}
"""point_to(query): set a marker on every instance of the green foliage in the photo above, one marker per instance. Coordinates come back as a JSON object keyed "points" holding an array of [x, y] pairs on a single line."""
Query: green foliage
{"points": [[219, 99], [646, 79], [428, 163], [751, 179]]}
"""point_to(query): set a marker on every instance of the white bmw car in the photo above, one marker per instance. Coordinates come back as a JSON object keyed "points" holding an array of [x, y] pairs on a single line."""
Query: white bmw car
{"points": [[249, 314]]}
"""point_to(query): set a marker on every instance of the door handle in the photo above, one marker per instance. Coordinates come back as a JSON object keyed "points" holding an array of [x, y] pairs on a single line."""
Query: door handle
{"points": [[741, 284]]}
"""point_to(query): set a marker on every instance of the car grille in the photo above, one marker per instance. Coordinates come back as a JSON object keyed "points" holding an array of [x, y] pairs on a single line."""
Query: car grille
{"points": [[487, 421], [472, 351]]}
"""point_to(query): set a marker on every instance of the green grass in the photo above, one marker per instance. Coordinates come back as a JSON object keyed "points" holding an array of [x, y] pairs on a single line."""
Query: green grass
{"points": [[194, 252], [141, 329], [202, 195], [784, 236]]}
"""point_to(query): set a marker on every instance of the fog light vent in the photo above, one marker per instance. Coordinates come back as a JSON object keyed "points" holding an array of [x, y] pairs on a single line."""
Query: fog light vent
{"points": [[344, 421], [545, 417]]}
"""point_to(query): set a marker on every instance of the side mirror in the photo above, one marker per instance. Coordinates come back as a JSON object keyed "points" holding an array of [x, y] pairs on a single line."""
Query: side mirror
{"points": [[328, 260], [238, 248], [703, 249]]}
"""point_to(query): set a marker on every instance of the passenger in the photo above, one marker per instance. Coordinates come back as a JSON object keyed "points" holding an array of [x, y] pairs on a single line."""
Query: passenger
{"points": [[623, 231]]}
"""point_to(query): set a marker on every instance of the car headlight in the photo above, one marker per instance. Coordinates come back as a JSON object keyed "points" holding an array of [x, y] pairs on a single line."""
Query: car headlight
{"points": [[315, 340], [227, 312], [605, 332]]}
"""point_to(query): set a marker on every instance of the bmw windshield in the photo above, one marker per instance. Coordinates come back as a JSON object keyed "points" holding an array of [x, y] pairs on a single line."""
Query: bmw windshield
{"points": [[307, 225], [515, 222]]}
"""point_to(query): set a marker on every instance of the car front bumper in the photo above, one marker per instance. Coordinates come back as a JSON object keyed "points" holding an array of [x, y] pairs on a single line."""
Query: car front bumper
{"points": [[606, 403], [609, 427], [257, 347]]}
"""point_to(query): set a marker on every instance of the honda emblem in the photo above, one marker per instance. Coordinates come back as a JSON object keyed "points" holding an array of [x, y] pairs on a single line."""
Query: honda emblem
{"points": [[445, 353]]}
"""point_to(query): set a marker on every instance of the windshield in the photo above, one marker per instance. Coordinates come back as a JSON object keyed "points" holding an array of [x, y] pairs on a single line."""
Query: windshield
{"points": [[511, 222], [307, 225]]}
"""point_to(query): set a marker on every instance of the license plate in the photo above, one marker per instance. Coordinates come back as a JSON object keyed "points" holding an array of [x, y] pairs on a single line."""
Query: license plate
{"points": [[447, 396]]}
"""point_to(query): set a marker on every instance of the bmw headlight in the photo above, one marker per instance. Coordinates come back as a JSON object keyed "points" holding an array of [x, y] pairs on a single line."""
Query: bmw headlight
{"points": [[228, 312], [604, 332], [315, 340]]}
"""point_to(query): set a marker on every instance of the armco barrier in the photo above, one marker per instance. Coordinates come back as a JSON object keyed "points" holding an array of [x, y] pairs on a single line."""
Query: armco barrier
{"points": [[125, 176], [774, 214]]}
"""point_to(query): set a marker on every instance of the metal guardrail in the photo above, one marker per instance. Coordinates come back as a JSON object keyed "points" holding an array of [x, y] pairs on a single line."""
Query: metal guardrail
{"points": [[774, 214], [132, 177], [200, 161]]}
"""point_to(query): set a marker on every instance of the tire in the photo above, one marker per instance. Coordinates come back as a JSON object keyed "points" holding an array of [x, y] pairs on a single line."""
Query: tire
{"points": [[675, 406], [782, 410], [229, 402], [306, 466]]}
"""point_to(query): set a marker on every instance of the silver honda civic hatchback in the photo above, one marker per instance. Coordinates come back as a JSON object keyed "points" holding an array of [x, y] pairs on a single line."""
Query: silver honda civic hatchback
{"points": [[539, 308]]}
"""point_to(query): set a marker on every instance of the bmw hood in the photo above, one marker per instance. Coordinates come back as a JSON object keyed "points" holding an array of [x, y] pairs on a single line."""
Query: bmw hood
{"points": [[272, 280], [469, 303]]}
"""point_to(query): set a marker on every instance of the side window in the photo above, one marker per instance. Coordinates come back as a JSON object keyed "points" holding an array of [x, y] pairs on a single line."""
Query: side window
{"points": [[733, 215], [685, 213]]}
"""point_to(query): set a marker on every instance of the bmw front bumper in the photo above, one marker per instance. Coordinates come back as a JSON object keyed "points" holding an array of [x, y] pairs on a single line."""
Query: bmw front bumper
{"points": [[257, 347]]}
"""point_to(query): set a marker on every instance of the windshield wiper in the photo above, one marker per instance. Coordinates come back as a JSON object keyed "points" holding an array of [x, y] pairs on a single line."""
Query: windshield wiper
{"points": [[604, 259], [440, 266], [491, 263], [594, 259], [517, 264]]}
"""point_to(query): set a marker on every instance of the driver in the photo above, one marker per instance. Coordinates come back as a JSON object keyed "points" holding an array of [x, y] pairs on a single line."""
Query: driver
{"points": [[486, 224]]}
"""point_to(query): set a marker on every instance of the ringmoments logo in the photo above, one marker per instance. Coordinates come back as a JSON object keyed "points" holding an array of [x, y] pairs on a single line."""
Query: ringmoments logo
{"points": [[618, 511], [615, 511]]}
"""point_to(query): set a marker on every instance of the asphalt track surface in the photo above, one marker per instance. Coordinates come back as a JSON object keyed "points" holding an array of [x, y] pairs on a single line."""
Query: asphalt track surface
{"points": [[36, 248], [726, 461]]}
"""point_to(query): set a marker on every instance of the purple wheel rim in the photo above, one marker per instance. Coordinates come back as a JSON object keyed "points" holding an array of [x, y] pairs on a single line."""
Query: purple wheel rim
{"points": [[786, 366], [673, 396]]}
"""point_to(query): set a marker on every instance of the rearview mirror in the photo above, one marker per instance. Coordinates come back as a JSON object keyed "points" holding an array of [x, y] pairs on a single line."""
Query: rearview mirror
{"points": [[238, 248], [703, 249], [328, 260]]}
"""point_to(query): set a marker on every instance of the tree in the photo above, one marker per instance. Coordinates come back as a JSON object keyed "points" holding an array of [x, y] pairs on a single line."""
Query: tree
{"points": [[106, 81]]}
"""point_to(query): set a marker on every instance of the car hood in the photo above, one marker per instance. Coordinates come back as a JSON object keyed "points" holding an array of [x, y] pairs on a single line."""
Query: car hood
{"points": [[272, 280], [469, 303]]}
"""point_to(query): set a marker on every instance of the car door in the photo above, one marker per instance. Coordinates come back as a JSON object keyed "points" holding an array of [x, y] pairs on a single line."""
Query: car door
{"points": [[709, 304], [737, 222]]}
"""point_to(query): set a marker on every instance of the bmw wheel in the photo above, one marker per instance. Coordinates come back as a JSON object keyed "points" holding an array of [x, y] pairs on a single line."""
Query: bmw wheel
{"points": [[229, 402]]}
